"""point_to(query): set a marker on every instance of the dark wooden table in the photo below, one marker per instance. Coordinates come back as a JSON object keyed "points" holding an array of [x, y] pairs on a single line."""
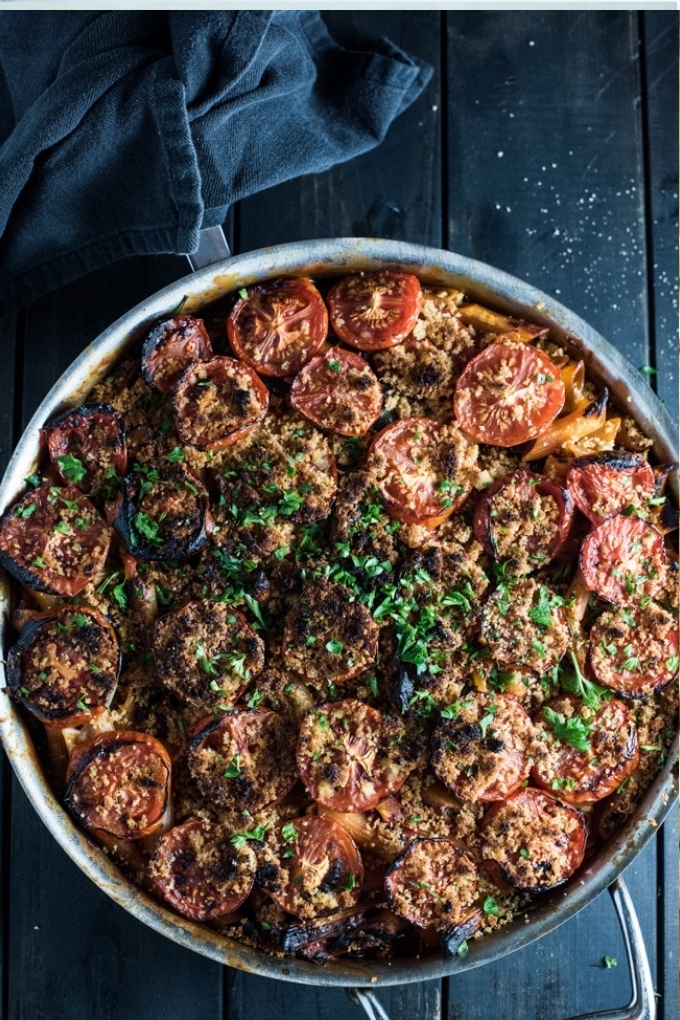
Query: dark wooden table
{"points": [[546, 144]]}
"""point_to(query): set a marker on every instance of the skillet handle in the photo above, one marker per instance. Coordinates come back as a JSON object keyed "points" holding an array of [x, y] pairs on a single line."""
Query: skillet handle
{"points": [[212, 247], [642, 1006]]}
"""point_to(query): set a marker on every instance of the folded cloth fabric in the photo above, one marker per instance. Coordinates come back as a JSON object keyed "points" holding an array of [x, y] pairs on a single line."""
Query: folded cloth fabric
{"points": [[129, 131]]}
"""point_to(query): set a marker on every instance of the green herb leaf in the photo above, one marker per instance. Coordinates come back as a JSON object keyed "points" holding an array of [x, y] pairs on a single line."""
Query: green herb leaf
{"points": [[71, 468], [234, 767], [240, 838], [176, 455], [490, 907], [574, 731], [609, 962]]}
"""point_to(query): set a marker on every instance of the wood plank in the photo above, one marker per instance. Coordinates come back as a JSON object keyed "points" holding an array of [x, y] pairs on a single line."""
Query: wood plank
{"points": [[667, 933], [10, 334], [71, 951], [260, 997], [545, 158], [660, 69], [393, 191]]}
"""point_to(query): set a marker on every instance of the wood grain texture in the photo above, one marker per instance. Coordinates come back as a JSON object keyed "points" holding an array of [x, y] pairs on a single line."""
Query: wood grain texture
{"points": [[660, 67], [393, 191], [546, 159]]}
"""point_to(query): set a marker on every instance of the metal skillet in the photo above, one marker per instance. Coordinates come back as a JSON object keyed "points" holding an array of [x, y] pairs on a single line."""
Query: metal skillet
{"points": [[216, 274]]}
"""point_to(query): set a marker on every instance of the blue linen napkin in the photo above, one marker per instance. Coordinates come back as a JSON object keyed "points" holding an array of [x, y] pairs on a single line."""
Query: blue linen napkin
{"points": [[126, 132]]}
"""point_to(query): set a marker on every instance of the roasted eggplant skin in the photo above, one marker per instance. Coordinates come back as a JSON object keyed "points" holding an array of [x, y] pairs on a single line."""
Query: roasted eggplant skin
{"points": [[63, 716], [174, 546]]}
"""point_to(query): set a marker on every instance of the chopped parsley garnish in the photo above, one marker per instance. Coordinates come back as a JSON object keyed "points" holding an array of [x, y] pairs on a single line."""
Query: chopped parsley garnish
{"points": [[147, 527], [574, 731], [25, 512], [82, 706], [289, 832], [334, 366], [243, 293], [350, 883], [239, 839], [463, 948], [490, 907], [334, 647], [71, 468], [176, 455], [609, 962], [541, 613], [234, 767], [575, 683], [254, 699]]}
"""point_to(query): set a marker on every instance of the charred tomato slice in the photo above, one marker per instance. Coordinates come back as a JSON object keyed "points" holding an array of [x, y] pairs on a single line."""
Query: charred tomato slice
{"points": [[508, 394], [171, 347], [338, 391], [524, 624], [604, 484], [206, 653], [244, 759], [87, 447], [118, 784], [218, 402], [163, 516], [532, 841], [622, 560], [375, 310], [54, 540], [432, 884], [64, 667], [351, 756], [523, 518], [634, 652], [586, 754], [279, 326], [482, 753], [199, 871], [313, 868], [422, 469]]}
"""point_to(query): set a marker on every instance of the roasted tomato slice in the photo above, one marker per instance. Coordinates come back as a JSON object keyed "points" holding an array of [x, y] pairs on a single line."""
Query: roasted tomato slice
{"points": [[432, 884], [523, 519], [170, 347], [118, 784], [217, 402], [532, 840], [244, 759], [54, 540], [162, 517], [604, 484], [635, 651], [279, 326], [88, 448], [351, 756], [64, 667], [525, 625], [482, 753], [207, 653], [313, 867], [338, 391], [508, 394], [423, 469], [199, 871], [622, 560], [585, 755], [375, 310]]}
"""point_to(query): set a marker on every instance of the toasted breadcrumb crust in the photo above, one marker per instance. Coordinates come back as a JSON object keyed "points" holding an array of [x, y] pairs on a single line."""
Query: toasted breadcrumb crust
{"points": [[330, 599]]}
